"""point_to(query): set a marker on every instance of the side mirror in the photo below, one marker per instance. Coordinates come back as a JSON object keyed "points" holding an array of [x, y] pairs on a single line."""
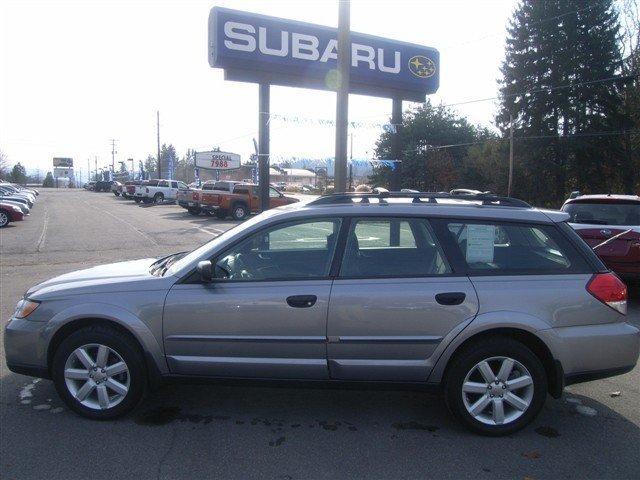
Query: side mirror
{"points": [[205, 269]]}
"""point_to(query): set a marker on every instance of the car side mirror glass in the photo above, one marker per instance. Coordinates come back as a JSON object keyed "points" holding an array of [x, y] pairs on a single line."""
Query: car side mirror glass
{"points": [[205, 269]]}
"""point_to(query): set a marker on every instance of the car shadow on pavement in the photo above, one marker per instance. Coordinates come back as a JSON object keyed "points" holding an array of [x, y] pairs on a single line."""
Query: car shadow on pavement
{"points": [[575, 436]]}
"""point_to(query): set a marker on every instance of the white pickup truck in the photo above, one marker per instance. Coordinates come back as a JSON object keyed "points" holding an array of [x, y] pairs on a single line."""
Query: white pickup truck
{"points": [[158, 191]]}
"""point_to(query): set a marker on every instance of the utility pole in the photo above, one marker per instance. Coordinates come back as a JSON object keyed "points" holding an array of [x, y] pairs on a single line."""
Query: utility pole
{"points": [[510, 156], [158, 131], [113, 153], [88, 170], [342, 98], [96, 165], [264, 105]]}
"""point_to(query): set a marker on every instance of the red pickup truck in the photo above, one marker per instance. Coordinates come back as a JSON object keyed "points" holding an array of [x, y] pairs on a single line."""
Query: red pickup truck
{"points": [[243, 200]]}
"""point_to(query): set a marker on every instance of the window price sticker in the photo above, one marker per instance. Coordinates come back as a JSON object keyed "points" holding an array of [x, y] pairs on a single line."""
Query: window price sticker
{"points": [[480, 243]]}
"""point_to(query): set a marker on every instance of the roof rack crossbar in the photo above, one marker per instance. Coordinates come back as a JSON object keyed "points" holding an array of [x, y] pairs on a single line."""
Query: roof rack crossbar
{"points": [[417, 198]]}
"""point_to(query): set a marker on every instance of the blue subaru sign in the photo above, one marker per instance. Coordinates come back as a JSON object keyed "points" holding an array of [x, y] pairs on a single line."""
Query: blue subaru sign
{"points": [[259, 48]]}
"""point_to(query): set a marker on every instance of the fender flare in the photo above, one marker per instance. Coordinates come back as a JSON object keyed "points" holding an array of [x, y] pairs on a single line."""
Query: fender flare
{"points": [[124, 318], [485, 322]]}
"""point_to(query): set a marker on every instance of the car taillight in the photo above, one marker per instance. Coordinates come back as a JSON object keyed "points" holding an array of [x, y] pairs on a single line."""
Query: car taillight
{"points": [[610, 290]]}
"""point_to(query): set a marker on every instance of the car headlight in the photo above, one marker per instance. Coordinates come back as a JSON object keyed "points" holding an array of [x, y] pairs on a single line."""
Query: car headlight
{"points": [[25, 308]]}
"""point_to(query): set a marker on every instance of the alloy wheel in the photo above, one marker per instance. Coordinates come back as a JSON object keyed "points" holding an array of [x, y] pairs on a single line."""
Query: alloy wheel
{"points": [[497, 390], [4, 219], [97, 376]]}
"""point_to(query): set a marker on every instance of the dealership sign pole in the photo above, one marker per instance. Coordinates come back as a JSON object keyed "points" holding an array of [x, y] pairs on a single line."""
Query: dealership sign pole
{"points": [[274, 51]]}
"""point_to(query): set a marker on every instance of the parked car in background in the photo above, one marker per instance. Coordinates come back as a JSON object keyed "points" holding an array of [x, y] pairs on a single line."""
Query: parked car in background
{"points": [[162, 191], [129, 188], [12, 194], [24, 208], [116, 188], [241, 202], [614, 219], [19, 188], [139, 191], [9, 213], [103, 186], [190, 198], [89, 186], [495, 303]]}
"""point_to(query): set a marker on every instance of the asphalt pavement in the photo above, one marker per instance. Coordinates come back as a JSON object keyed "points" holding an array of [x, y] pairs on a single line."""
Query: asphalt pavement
{"points": [[245, 432]]}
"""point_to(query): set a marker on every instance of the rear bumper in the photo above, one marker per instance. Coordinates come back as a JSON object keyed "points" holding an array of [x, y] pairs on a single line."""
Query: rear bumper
{"points": [[590, 352]]}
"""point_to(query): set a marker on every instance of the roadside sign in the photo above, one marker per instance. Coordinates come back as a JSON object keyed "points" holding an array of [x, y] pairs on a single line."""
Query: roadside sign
{"points": [[62, 162], [263, 49], [217, 160]]}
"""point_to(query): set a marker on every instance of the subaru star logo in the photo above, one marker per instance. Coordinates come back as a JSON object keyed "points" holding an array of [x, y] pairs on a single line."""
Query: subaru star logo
{"points": [[606, 232], [422, 67]]}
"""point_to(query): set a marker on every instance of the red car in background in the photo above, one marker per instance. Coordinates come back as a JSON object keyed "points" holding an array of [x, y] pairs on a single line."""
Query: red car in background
{"points": [[598, 218], [9, 213]]}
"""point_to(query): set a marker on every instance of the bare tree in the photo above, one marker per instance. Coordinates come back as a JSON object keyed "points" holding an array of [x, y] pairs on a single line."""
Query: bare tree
{"points": [[4, 165]]}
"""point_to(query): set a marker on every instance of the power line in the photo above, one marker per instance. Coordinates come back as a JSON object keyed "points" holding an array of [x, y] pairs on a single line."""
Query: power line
{"points": [[428, 148], [539, 22]]}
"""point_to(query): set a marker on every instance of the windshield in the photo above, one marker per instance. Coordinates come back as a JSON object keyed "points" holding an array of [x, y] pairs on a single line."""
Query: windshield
{"points": [[604, 213], [204, 250]]}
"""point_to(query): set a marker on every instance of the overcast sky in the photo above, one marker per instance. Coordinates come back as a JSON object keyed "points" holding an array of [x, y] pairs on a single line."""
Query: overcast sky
{"points": [[75, 74]]}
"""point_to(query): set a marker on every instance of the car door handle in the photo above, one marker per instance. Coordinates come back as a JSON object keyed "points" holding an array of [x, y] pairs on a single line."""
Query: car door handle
{"points": [[302, 301], [450, 298]]}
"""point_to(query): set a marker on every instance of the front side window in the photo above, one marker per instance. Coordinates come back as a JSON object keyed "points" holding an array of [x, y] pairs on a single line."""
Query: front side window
{"points": [[505, 248], [392, 247], [273, 193], [300, 250]]}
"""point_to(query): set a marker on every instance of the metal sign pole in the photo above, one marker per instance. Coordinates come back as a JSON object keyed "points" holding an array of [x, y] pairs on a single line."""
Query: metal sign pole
{"points": [[263, 146], [396, 147], [342, 98]]}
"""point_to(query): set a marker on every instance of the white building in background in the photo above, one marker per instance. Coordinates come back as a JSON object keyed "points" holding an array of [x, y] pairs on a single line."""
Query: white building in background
{"points": [[63, 173], [293, 176]]}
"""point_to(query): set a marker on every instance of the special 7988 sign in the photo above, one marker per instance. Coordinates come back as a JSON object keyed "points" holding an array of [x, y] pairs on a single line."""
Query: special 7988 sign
{"points": [[217, 160]]}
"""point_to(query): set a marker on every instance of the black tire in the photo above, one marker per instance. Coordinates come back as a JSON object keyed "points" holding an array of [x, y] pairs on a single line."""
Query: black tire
{"points": [[195, 211], [5, 219], [117, 341], [464, 362], [117, 194], [239, 211], [221, 214], [158, 197], [137, 199]]}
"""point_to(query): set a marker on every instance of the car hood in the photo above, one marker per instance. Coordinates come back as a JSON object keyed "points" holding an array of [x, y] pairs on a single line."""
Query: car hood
{"points": [[111, 277]]}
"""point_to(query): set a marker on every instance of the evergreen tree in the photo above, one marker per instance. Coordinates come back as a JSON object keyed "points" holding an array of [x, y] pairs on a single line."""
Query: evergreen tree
{"points": [[557, 82], [426, 165], [18, 174], [48, 180]]}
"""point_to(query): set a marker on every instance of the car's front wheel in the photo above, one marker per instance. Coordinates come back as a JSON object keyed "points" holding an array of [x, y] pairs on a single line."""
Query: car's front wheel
{"points": [[496, 387], [4, 219], [99, 372], [239, 211]]}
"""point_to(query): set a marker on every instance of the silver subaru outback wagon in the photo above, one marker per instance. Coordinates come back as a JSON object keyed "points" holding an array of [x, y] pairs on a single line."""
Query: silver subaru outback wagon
{"points": [[493, 301]]}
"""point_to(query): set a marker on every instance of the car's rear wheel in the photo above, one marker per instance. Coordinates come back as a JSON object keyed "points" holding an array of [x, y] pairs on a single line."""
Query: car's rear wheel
{"points": [[158, 198], [239, 211], [496, 387], [4, 219], [99, 372]]}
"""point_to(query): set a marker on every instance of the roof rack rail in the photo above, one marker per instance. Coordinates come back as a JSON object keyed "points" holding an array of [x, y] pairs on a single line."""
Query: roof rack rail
{"points": [[420, 198]]}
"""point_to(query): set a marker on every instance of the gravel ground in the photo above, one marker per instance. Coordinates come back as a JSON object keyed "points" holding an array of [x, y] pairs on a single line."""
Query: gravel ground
{"points": [[207, 431]]}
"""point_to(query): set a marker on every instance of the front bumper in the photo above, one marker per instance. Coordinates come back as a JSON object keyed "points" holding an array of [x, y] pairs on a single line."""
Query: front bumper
{"points": [[590, 352], [25, 347]]}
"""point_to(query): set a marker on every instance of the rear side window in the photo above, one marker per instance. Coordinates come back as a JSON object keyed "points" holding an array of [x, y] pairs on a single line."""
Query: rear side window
{"points": [[392, 247], [514, 248]]}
